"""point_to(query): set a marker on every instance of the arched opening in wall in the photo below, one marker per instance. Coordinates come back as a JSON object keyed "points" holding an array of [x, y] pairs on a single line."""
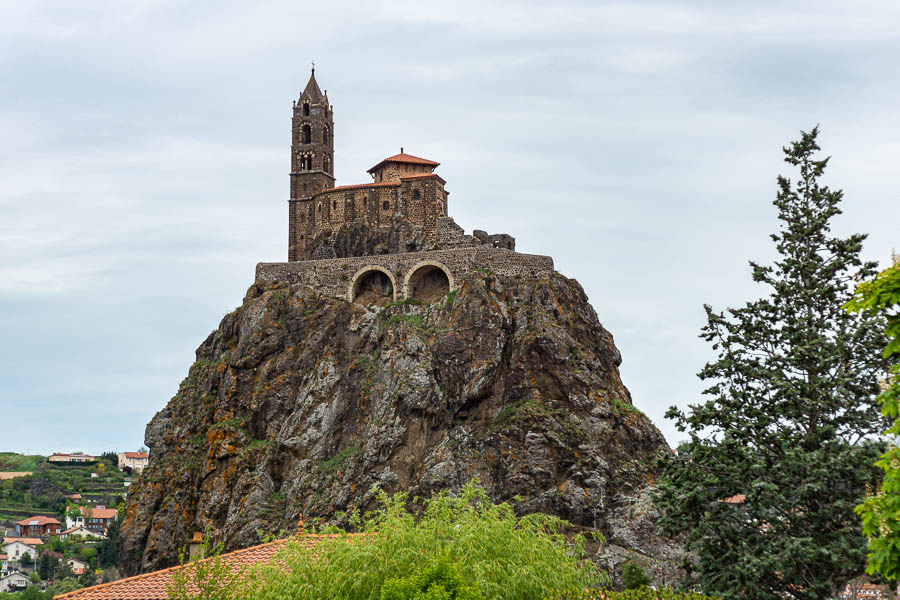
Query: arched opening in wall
{"points": [[428, 284], [386, 205], [307, 134], [327, 166], [373, 288], [307, 163], [416, 196], [306, 109], [325, 136]]}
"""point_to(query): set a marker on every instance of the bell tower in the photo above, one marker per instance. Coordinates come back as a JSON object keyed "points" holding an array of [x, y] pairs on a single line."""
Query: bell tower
{"points": [[312, 162]]}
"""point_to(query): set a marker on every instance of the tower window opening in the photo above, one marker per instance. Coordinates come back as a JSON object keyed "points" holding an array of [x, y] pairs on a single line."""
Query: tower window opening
{"points": [[307, 162], [307, 134], [334, 204], [306, 109], [366, 202], [327, 165], [325, 136], [416, 195], [386, 205]]}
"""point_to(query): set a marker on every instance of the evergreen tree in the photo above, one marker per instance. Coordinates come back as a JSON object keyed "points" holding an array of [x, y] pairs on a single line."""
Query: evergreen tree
{"points": [[790, 416]]}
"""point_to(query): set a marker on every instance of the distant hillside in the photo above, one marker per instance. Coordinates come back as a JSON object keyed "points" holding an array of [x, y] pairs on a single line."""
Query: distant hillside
{"points": [[44, 491], [10, 461]]}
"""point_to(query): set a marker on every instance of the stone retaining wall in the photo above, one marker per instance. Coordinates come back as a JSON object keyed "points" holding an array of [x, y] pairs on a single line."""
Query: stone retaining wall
{"points": [[338, 276]]}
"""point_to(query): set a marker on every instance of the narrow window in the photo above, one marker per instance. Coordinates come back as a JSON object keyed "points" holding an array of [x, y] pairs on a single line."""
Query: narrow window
{"points": [[386, 205], [306, 109], [366, 202], [307, 134], [416, 195], [325, 136], [333, 204]]}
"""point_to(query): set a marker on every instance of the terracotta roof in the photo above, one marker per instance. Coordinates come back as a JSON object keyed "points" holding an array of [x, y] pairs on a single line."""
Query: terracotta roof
{"points": [[154, 586], [26, 541], [38, 520], [421, 175], [136, 455], [736, 499], [102, 513], [358, 185], [3, 557], [403, 157]]}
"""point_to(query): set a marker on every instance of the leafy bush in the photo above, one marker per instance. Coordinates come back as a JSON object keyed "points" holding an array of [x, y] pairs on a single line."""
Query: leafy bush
{"points": [[462, 547], [633, 576]]}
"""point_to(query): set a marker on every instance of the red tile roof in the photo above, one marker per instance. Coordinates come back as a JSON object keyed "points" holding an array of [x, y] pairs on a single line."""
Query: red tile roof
{"points": [[421, 175], [736, 499], [26, 541], [403, 157], [102, 513], [359, 185], [3, 557], [136, 455], [38, 520], [154, 586]]}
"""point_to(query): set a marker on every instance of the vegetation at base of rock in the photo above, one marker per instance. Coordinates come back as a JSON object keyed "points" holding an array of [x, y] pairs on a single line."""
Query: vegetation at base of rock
{"points": [[465, 544], [791, 417], [644, 593], [633, 576], [880, 511]]}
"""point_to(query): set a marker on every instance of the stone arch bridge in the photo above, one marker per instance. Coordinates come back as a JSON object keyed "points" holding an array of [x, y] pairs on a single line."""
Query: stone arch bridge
{"points": [[381, 279]]}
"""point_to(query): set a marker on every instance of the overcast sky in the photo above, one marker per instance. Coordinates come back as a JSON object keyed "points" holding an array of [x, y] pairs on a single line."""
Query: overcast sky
{"points": [[144, 157]]}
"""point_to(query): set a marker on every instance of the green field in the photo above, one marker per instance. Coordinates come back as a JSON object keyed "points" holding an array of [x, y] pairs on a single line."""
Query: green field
{"points": [[10, 461]]}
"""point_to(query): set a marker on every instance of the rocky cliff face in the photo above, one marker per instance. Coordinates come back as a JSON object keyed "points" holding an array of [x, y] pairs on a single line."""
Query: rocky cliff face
{"points": [[300, 403]]}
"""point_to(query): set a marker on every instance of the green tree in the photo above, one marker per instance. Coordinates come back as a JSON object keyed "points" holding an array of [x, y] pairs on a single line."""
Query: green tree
{"points": [[88, 578], [34, 577], [26, 560], [462, 547], [880, 511], [633, 576], [789, 417]]}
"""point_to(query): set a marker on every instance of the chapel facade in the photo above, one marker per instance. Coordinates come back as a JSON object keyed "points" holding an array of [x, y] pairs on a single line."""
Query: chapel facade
{"points": [[402, 185]]}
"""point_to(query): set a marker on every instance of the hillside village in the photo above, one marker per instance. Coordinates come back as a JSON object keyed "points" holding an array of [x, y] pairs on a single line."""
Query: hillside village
{"points": [[60, 517]]}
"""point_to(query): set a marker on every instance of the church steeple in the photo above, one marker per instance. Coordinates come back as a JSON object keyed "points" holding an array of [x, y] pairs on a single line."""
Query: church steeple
{"points": [[312, 90], [312, 158]]}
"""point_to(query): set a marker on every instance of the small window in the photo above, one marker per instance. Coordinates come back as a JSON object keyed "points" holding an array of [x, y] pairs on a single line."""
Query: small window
{"points": [[334, 204], [306, 109], [325, 136], [386, 205], [307, 134], [416, 195], [366, 202]]}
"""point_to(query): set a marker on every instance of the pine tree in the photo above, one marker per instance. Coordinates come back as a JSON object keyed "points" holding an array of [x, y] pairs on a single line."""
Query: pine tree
{"points": [[790, 418]]}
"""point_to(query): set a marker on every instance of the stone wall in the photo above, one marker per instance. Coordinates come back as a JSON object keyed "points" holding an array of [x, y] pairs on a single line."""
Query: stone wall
{"points": [[338, 276]]}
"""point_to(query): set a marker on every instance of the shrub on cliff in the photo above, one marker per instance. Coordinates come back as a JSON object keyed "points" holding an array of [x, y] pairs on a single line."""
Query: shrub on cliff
{"points": [[460, 547]]}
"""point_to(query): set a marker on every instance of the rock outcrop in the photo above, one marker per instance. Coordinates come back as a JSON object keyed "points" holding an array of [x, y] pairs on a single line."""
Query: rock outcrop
{"points": [[301, 403]]}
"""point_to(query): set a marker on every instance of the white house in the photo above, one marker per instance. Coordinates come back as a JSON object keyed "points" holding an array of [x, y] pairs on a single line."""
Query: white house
{"points": [[78, 566], [14, 548], [96, 520], [80, 531], [13, 582]]}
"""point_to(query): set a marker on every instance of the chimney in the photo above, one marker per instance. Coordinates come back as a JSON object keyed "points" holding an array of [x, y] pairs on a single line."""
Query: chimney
{"points": [[195, 549]]}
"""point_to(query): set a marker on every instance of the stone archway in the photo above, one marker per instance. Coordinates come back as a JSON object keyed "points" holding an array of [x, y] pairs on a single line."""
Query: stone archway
{"points": [[372, 285], [428, 282]]}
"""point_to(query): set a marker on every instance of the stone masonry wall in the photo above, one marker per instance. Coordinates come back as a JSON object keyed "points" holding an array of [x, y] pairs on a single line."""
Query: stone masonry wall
{"points": [[337, 276]]}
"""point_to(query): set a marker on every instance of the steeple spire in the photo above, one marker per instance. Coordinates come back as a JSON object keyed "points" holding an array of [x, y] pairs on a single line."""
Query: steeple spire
{"points": [[312, 88]]}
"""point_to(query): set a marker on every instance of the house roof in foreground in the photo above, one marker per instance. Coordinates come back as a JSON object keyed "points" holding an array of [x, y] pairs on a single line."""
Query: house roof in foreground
{"points": [[154, 585]]}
